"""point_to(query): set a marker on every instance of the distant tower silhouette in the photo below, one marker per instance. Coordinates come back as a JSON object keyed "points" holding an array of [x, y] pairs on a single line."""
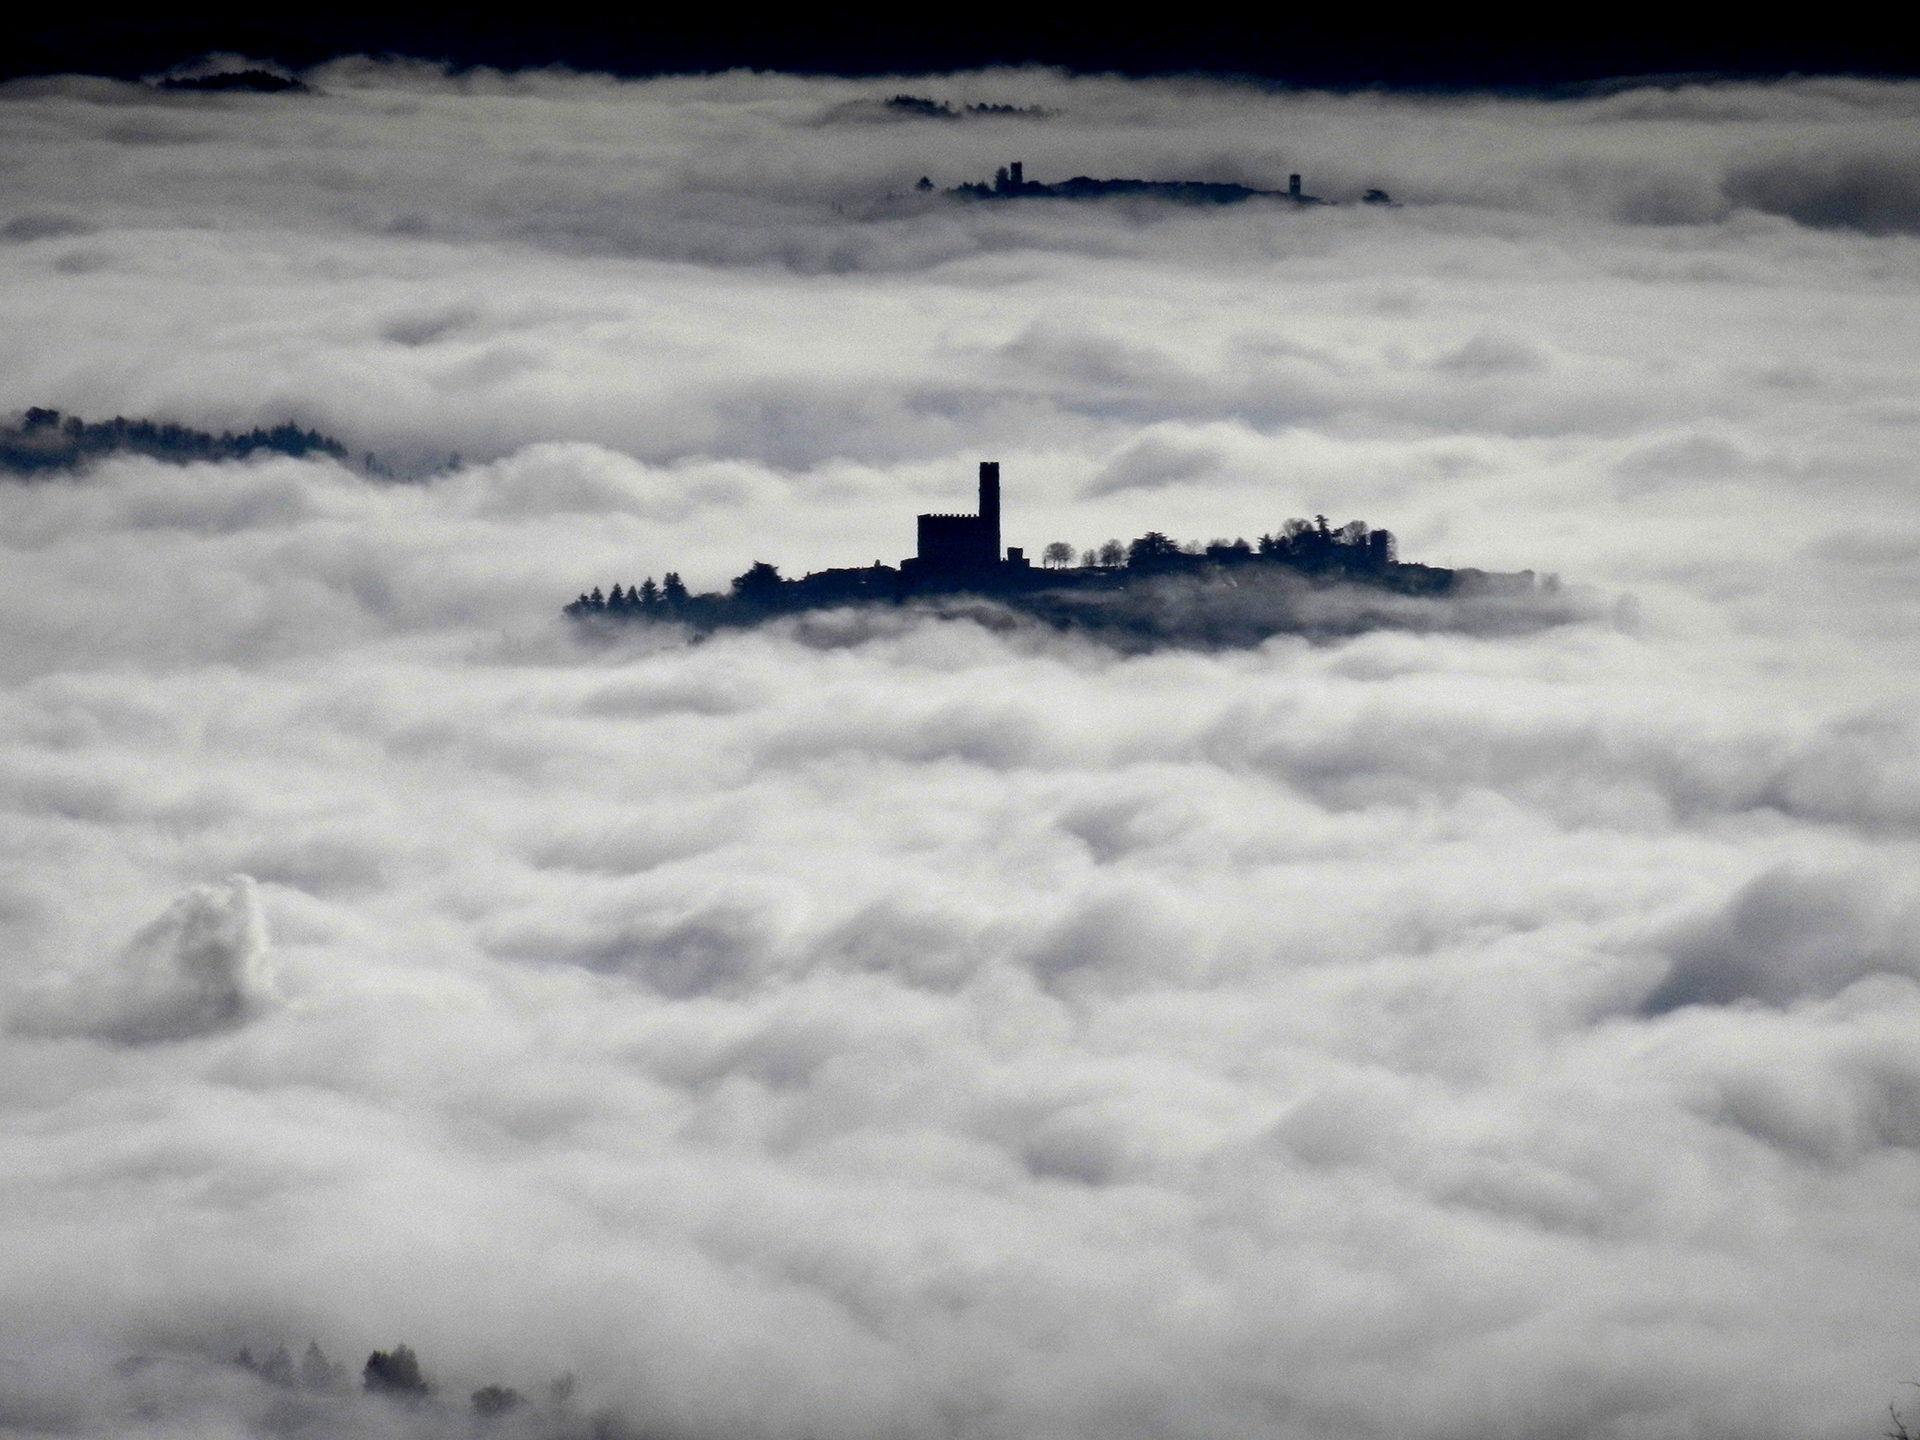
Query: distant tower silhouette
{"points": [[1014, 175], [1293, 187]]}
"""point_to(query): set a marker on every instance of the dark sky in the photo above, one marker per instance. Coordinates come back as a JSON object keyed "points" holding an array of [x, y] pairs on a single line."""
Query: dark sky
{"points": [[1336, 49]]}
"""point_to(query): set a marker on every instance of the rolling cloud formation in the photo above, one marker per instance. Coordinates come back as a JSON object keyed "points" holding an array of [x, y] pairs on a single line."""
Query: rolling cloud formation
{"points": [[926, 1024]]}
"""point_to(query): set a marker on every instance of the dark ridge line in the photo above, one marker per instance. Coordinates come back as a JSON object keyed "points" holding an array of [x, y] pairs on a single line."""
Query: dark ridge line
{"points": [[45, 441], [1154, 590], [922, 108], [1010, 183], [261, 82]]}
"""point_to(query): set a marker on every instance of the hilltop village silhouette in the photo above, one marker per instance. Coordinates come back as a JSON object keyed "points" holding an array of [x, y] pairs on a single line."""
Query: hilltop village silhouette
{"points": [[1010, 183], [962, 555]]}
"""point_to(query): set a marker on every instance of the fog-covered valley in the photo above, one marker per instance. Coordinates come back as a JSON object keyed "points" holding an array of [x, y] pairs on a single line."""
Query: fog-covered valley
{"points": [[895, 1025]]}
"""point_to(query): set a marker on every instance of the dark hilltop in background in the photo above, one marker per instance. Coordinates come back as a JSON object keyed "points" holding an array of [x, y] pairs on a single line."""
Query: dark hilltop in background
{"points": [[1306, 578], [1010, 183], [44, 443]]}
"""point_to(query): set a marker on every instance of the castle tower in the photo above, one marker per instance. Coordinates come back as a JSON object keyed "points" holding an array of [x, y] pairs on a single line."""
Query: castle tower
{"points": [[965, 542], [990, 507], [1293, 187]]}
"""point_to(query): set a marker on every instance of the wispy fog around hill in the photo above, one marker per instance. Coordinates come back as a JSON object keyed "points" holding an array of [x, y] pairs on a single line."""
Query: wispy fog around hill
{"points": [[933, 1021]]}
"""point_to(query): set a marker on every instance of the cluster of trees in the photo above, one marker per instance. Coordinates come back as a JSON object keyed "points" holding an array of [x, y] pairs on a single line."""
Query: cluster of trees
{"points": [[1059, 556], [648, 599], [392, 1374], [46, 440], [1307, 544], [396, 1374], [926, 109]]}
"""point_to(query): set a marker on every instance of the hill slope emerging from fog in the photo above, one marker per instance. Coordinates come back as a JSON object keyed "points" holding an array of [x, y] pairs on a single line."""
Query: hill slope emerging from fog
{"points": [[1304, 579]]}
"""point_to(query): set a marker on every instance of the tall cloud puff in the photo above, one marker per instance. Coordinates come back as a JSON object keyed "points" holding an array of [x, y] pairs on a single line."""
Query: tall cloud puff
{"points": [[199, 969]]}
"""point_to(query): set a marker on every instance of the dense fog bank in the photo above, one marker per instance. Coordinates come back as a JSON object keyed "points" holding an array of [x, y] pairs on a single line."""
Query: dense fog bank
{"points": [[915, 1023]]}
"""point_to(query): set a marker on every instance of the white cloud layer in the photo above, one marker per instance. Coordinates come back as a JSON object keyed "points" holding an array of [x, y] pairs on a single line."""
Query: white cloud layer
{"points": [[913, 1027]]}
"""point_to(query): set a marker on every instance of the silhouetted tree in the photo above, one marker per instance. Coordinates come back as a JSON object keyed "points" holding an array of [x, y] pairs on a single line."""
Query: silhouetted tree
{"points": [[672, 591], [649, 594], [1149, 550], [760, 585], [394, 1372], [1113, 553], [1057, 555]]}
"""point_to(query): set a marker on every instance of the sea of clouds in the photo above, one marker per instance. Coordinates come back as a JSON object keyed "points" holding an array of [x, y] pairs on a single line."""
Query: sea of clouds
{"points": [[899, 1027]]}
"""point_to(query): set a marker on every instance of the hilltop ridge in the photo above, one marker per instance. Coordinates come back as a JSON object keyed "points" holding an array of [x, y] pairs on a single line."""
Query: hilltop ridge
{"points": [[1307, 577]]}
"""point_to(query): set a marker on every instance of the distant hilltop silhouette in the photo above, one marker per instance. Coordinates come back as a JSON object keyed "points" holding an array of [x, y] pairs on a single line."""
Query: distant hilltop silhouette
{"points": [[45, 440], [1232, 591], [920, 107], [1010, 183], [260, 82], [913, 108], [44, 443]]}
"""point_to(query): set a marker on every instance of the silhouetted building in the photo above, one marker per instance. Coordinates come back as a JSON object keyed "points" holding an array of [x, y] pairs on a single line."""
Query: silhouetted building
{"points": [[1293, 187], [964, 542]]}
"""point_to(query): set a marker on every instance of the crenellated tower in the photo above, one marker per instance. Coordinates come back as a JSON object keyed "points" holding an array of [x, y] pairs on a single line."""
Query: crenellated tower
{"points": [[965, 542]]}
